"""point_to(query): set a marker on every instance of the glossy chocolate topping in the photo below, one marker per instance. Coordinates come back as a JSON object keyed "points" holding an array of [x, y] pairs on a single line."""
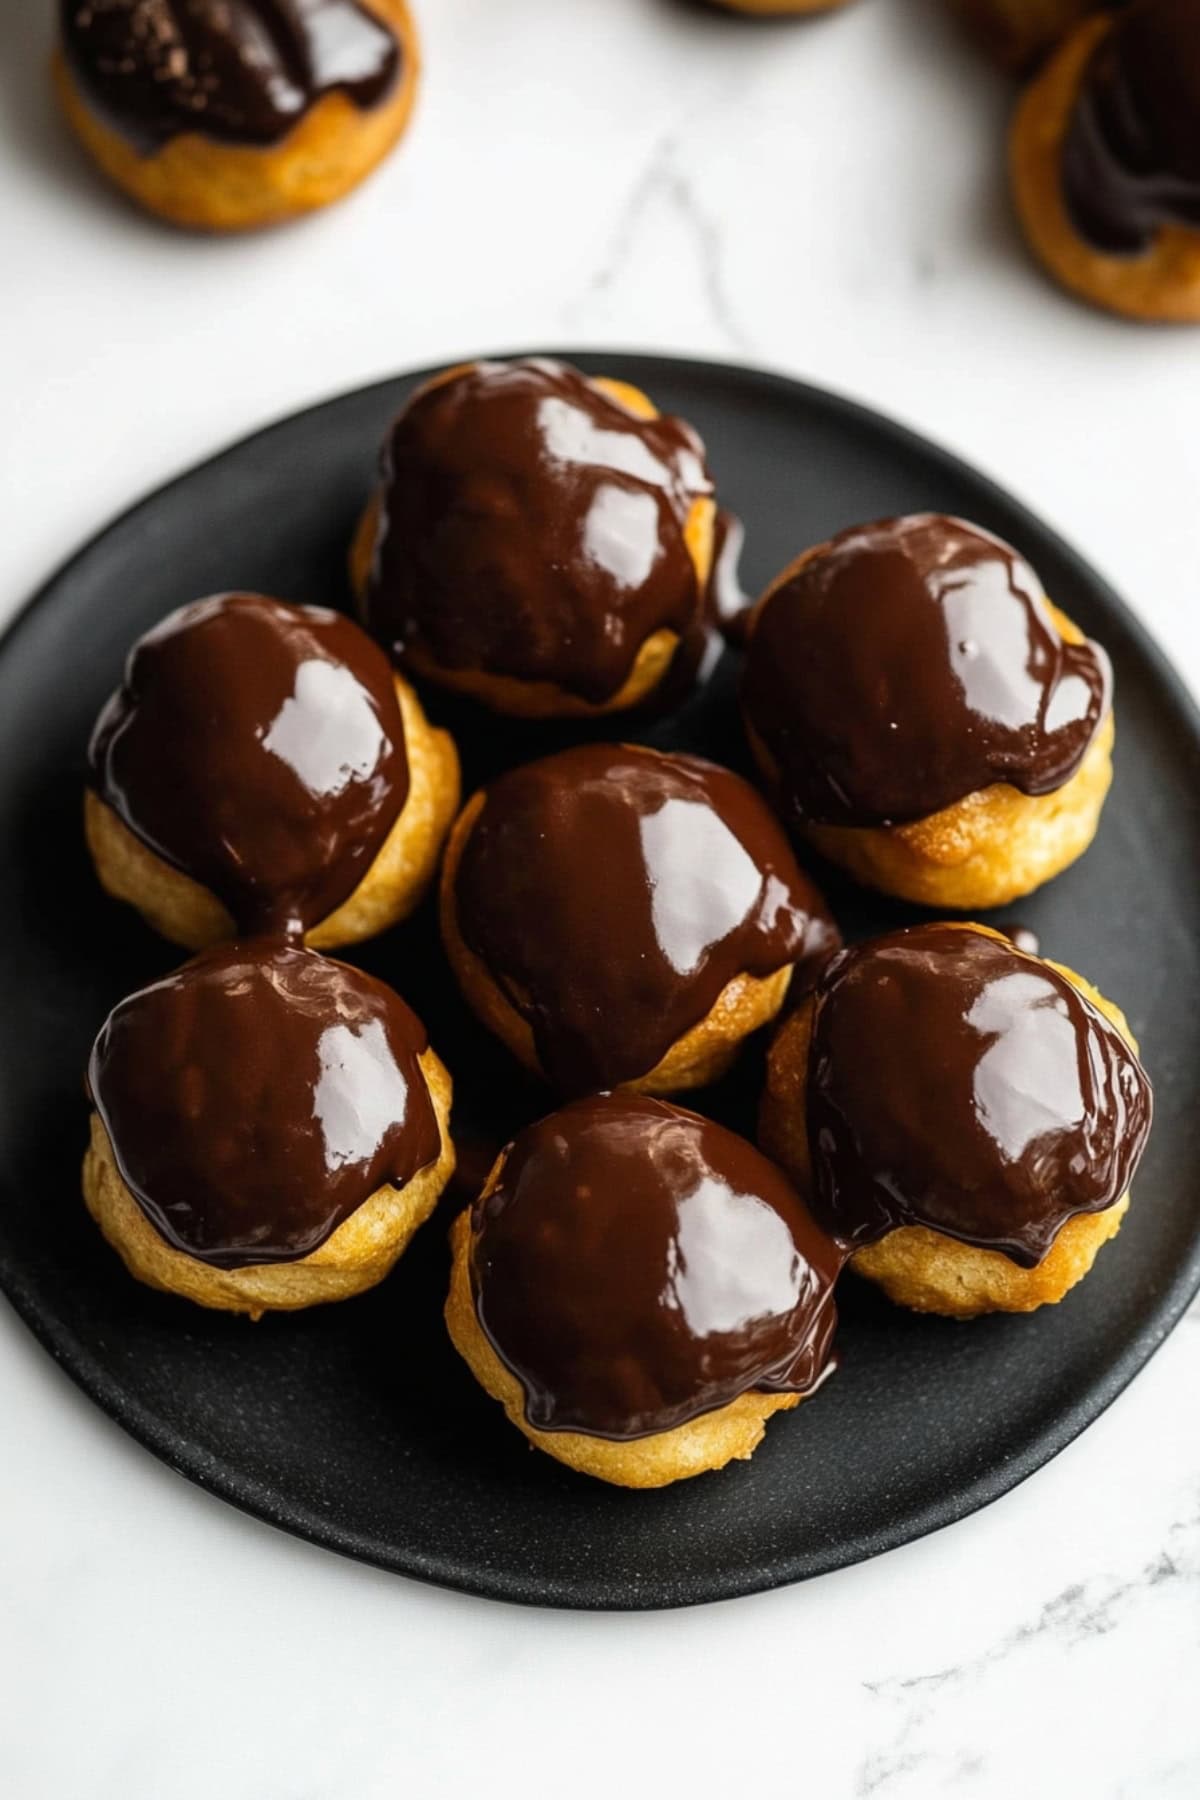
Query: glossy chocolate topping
{"points": [[242, 71], [259, 748], [637, 1265], [255, 1098], [533, 527], [956, 1082], [910, 662], [1131, 158], [612, 892]]}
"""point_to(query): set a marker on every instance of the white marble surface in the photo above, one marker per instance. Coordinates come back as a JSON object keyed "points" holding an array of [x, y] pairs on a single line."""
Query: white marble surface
{"points": [[827, 199]]}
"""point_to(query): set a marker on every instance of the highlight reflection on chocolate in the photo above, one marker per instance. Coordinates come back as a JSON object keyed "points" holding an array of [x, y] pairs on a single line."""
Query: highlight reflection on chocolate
{"points": [[910, 662], [612, 892], [637, 1265], [1131, 160], [533, 527], [957, 1083], [257, 1096], [241, 71], [259, 748]]}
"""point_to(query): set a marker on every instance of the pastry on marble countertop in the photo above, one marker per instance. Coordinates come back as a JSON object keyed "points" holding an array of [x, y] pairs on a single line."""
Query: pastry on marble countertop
{"points": [[1105, 162], [1017, 32], [641, 1290], [261, 768], [925, 716], [541, 541], [270, 1129], [963, 1115], [226, 117], [618, 916]]}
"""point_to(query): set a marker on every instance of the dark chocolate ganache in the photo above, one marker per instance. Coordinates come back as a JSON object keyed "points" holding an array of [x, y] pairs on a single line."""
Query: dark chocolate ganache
{"points": [[259, 748], [1131, 156], [910, 662], [612, 892], [531, 526], [637, 1265], [256, 1097], [240, 71], [958, 1083]]}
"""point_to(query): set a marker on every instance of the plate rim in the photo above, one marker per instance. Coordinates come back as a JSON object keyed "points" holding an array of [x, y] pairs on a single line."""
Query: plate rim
{"points": [[217, 1476]]}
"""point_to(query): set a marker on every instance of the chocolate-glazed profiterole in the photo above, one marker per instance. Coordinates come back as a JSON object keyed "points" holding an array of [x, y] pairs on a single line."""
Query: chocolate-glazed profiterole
{"points": [[955, 1087], [622, 916], [541, 539], [226, 113], [907, 667], [261, 751], [630, 1268], [1106, 160], [251, 1106]]}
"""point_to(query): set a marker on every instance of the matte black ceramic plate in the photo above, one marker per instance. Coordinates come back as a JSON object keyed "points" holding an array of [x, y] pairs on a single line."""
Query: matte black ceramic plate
{"points": [[355, 1425]]}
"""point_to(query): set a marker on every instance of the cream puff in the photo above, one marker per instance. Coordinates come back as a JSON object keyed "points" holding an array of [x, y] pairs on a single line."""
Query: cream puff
{"points": [[1016, 32], [224, 116], [1105, 161], [641, 1291], [621, 917], [541, 540], [270, 1129], [965, 1117], [924, 715], [261, 769]]}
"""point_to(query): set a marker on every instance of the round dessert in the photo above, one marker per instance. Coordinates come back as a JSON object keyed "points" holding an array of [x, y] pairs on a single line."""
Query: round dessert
{"points": [[1105, 161], [925, 716], [640, 1290], [541, 541], [963, 1116], [1016, 32], [223, 115], [270, 1129], [262, 769], [620, 917]]}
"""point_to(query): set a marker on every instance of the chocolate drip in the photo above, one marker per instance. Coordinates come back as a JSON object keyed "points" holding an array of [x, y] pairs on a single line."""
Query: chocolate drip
{"points": [[728, 602], [909, 663], [259, 748], [533, 527], [612, 892], [1131, 159], [955, 1082], [255, 1098], [637, 1266], [240, 71]]}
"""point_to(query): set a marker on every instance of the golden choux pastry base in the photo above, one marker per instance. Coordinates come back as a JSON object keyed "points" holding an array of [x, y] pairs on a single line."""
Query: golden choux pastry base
{"points": [[700, 1056], [187, 913], [987, 849], [730, 1433], [1162, 285], [206, 185], [358, 1254], [520, 699], [914, 1265]]}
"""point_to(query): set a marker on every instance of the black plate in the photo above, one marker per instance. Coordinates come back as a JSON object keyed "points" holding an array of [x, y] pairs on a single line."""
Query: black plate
{"points": [[355, 1425]]}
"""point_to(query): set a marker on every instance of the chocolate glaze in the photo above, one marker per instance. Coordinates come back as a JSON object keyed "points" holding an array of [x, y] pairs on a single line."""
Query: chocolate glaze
{"points": [[1131, 157], [637, 1266], [531, 526], [910, 662], [612, 892], [958, 1083], [259, 748], [255, 1098], [240, 71], [728, 602]]}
